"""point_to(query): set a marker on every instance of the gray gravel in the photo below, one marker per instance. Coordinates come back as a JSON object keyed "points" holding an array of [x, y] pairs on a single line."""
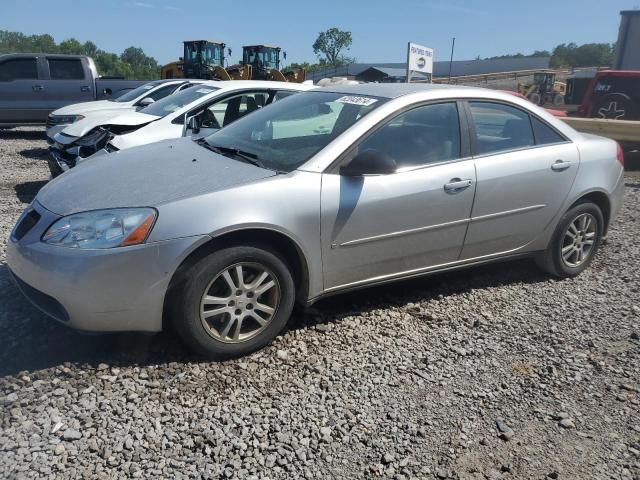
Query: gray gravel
{"points": [[492, 373]]}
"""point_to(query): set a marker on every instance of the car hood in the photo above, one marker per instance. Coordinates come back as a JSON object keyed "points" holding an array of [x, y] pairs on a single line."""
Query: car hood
{"points": [[103, 117], [85, 107], [149, 175]]}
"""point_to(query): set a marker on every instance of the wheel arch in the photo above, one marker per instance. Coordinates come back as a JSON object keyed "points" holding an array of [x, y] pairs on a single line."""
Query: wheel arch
{"points": [[282, 244], [601, 199]]}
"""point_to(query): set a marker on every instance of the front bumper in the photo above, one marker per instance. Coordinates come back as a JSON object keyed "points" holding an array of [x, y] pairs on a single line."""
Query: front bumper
{"points": [[119, 289], [53, 129], [58, 163]]}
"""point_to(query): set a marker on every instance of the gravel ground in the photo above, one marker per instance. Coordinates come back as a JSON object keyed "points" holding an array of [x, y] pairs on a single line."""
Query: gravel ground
{"points": [[496, 372]]}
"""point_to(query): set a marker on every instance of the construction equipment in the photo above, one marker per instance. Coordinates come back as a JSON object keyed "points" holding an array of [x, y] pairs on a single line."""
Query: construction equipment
{"points": [[202, 59], [262, 62], [544, 89]]}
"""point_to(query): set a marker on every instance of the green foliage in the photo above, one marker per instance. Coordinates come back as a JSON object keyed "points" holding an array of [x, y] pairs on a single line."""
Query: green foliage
{"points": [[329, 46], [587, 55], [132, 63], [537, 53]]}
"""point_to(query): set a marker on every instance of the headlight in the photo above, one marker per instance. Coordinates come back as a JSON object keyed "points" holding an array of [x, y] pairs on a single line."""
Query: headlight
{"points": [[65, 119], [118, 227], [91, 138]]}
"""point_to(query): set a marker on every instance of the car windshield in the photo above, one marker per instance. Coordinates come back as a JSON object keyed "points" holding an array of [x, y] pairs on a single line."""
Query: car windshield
{"points": [[174, 102], [288, 133], [136, 92]]}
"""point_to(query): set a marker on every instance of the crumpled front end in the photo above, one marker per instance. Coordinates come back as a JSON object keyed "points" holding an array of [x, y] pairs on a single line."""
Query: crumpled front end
{"points": [[63, 156]]}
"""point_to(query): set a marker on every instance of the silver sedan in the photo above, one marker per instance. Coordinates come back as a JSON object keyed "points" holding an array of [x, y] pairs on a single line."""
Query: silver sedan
{"points": [[322, 192]]}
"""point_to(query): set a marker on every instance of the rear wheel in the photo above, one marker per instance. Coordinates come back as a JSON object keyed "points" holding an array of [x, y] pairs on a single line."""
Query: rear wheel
{"points": [[234, 301], [575, 241]]}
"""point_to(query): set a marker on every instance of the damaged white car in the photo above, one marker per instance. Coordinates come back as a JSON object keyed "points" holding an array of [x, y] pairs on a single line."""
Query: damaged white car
{"points": [[135, 99], [197, 111]]}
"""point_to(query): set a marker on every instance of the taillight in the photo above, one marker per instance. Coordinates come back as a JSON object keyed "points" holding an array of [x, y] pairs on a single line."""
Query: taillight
{"points": [[620, 155]]}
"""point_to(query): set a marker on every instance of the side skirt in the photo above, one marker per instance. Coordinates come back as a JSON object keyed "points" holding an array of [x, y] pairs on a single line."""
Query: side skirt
{"points": [[421, 273]]}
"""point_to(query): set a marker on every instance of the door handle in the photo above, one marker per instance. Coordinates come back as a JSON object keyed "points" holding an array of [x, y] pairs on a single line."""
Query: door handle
{"points": [[560, 165], [37, 88], [85, 88], [457, 185]]}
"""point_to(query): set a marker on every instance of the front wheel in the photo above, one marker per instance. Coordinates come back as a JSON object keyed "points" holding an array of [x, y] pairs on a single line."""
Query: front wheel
{"points": [[234, 301], [575, 241]]}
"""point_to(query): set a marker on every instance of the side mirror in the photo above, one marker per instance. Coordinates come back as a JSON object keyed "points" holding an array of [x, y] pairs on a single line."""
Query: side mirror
{"points": [[369, 162], [192, 123], [145, 102]]}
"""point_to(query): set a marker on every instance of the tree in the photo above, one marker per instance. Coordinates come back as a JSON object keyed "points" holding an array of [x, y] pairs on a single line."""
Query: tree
{"points": [[71, 47], [132, 63], [330, 44], [587, 55]]}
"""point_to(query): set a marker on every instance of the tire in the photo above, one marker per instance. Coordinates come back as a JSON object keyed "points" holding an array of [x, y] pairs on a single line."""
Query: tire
{"points": [[535, 98], [206, 311], [558, 100], [564, 262]]}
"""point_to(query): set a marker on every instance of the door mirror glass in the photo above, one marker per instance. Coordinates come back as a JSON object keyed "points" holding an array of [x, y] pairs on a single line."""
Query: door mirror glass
{"points": [[369, 162]]}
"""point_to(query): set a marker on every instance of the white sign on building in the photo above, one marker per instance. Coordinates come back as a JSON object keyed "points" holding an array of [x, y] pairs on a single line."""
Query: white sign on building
{"points": [[419, 59]]}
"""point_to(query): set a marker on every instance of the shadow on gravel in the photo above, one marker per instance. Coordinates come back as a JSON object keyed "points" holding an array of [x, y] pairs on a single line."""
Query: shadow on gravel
{"points": [[35, 153], [27, 191], [29, 340], [39, 134]]}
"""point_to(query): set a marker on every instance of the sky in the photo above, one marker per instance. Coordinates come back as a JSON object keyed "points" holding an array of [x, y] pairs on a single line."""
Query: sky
{"points": [[380, 29]]}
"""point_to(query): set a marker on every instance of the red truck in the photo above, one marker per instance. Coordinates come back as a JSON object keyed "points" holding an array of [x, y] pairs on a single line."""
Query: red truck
{"points": [[613, 94]]}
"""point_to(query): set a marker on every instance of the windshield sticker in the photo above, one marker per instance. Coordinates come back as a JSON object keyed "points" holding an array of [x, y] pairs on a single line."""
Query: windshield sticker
{"points": [[147, 87], [354, 100], [204, 90]]}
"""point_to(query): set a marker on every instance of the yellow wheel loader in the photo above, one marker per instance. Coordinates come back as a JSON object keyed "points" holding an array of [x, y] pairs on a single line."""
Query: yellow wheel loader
{"points": [[203, 59], [544, 89], [262, 62]]}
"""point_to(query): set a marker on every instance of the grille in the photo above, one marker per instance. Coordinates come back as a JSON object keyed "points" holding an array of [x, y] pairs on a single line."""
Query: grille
{"points": [[25, 224]]}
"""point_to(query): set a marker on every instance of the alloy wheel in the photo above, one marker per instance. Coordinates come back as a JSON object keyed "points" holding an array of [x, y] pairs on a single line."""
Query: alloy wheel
{"points": [[240, 302], [579, 239]]}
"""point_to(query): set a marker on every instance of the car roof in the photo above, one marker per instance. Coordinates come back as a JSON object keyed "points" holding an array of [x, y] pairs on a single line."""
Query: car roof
{"points": [[227, 86], [392, 90], [176, 80], [241, 84]]}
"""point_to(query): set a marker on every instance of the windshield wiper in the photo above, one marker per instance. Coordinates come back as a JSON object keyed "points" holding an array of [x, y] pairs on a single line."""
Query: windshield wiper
{"points": [[248, 157]]}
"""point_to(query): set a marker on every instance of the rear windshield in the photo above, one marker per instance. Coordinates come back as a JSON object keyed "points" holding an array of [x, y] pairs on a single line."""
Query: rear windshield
{"points": [[136, 92], [175, 102]]}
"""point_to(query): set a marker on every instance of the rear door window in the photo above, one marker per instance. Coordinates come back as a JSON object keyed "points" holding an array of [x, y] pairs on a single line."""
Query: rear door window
{"points": [[500, 127], [223, 113], [19, 69], [65, 69]]}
